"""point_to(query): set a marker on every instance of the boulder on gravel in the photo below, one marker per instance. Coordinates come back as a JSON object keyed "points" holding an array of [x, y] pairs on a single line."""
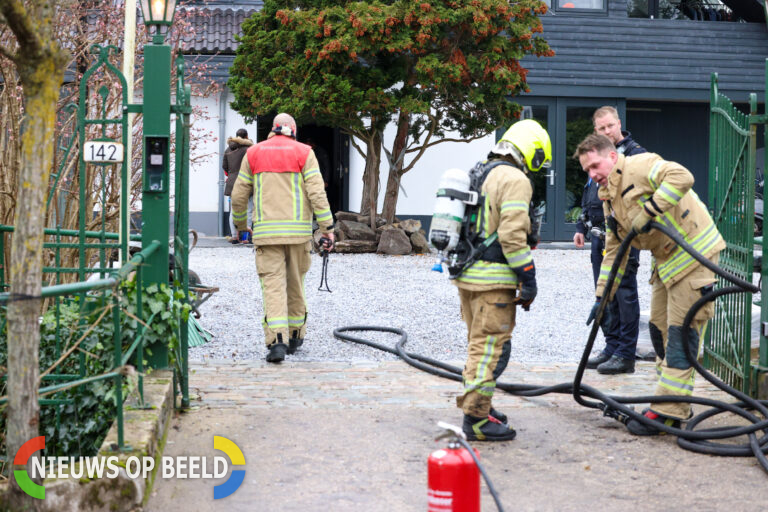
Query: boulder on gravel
{"points": [[394, 242]]}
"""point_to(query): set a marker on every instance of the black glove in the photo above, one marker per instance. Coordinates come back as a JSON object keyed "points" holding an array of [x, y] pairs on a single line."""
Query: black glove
{"points": [[607, 317], [527, 277], [326, 245]]}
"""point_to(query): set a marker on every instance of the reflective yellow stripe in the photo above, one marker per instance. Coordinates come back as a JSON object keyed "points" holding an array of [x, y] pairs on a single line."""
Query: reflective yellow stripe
{"points": [[676, 385], [654, 172], [670, 193], [680, 259], [323, 215], [296, 190], [311, 172], [296, 320], [258, 207], [479, 383], [277, 322], [486, 272], [275, 228], [519, 258], [514, 205], [245, 177]]}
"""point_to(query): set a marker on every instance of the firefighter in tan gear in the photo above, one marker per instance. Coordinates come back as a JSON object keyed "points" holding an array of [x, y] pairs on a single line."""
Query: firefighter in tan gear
{"points": [[488, 289], [284, 177], [635, 191]]}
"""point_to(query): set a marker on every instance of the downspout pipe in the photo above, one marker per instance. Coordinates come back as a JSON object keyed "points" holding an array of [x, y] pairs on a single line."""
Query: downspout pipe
{"points": [[222, 147]]}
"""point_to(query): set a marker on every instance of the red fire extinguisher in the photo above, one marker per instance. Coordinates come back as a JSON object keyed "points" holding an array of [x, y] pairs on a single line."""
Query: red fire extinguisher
{"points": [[453, 482]]}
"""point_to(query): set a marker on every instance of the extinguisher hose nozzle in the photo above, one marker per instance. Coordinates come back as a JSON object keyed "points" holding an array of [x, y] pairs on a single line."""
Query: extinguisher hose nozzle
{"points": [[487, 479]]}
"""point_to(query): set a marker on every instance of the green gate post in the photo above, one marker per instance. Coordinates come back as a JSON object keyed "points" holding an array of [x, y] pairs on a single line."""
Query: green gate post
{"points": [[762, 369], [157, 141]]}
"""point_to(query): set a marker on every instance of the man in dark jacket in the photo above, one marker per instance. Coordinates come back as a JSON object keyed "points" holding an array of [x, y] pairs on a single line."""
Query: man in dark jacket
{"points": [[233, 157], [622, 319]]}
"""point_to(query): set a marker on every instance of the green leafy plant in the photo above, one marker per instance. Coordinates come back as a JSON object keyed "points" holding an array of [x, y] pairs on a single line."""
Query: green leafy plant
{"points": [[79, 420]]}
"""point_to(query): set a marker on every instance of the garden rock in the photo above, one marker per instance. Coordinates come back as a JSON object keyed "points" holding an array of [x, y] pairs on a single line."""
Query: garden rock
{"points": [[356, 230], [355, 246], [394, 241], [419, 243]]}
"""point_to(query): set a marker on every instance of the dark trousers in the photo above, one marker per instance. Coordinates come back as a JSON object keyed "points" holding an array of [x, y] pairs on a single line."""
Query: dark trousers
{"points": [[621, 335]]}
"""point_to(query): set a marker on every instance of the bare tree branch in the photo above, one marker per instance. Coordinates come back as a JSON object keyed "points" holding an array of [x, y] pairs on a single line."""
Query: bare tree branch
{"points": [[7, 54], [423, 147], [353, 134], [440, 141]]}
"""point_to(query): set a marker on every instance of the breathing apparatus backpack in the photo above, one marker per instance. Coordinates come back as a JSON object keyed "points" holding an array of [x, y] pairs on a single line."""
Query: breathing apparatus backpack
{"points": [[455, 227]]}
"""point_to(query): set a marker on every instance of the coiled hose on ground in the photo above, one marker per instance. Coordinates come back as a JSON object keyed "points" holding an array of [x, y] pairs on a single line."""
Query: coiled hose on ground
{"points": [[702, 441]]}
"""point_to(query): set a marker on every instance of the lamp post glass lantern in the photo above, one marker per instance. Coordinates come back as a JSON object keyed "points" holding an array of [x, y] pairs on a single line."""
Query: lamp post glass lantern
{"points": [[158, 12]]}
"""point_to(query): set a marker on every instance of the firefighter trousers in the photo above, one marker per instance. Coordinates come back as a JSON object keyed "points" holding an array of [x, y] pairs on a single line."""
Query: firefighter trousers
{"points": [[669, 305], [281, 271], [490, 319]]}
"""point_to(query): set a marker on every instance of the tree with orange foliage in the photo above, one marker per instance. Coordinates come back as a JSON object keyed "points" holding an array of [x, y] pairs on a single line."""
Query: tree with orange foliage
{"points": [[430, 67]]}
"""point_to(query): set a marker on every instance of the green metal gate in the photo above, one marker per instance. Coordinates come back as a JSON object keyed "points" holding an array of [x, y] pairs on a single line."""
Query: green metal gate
{"points": [[727, 347], [97, 130]]}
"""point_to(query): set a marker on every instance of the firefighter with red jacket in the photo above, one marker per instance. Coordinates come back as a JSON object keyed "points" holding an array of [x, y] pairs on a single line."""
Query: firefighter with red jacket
{"points": [[488, 288], [284, 177], [636, 190]]}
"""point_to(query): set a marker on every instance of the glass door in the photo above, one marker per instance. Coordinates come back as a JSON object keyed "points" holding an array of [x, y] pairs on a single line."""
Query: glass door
{"points": [[574, 122], [559, 188], [543, 111]]}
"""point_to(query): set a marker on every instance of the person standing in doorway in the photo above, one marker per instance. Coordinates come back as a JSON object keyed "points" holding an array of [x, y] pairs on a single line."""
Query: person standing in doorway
{"points": [[233, 157]]}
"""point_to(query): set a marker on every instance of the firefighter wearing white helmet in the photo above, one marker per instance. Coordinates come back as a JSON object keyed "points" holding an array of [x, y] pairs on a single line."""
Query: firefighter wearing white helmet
{"points": [[503, 277]]}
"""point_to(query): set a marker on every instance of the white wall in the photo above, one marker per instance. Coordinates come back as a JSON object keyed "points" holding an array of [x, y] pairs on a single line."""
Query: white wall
{"points": [[420, 183], [204, 172], [206, 183]]}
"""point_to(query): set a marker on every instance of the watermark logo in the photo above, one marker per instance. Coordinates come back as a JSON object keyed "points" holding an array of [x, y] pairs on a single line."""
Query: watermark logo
{"points": [[237, 476], [180, 467], [22, 477]]}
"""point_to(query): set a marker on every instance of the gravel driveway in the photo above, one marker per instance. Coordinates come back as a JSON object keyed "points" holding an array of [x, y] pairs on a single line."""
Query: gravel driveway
{"points": [[397, 291]]}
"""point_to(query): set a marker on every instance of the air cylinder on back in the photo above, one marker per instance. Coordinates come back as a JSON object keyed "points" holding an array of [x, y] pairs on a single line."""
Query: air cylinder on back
{"points": [[452, 192]]}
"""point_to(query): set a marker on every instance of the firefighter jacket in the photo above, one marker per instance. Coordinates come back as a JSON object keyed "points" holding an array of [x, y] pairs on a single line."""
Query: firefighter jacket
{"points": [[591, 204], [664, 190], [287, 188], [506, 195]]}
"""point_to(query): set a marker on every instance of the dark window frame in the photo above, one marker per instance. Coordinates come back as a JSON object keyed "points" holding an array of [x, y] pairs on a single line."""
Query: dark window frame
{"points": [[580, 11]]}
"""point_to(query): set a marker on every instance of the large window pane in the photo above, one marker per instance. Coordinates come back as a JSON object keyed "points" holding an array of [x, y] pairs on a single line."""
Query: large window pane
{"points": [[539, 179], [578, 124], [581, 4]]}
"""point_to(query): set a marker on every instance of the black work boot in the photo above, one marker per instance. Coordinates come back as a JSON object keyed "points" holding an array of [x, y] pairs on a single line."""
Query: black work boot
{"points": [[276, 352], [294, 344], [616, 365], [594, 362], [641, 429], [487, 429], [498, 415]]}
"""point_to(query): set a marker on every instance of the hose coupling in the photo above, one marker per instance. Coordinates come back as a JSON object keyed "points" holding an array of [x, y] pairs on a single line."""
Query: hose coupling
{"points": [[619, 416]]}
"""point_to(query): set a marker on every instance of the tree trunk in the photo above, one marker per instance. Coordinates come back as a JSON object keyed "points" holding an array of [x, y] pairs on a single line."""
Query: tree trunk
{"points": [[395, 170], [40, 64], [370, 196]]}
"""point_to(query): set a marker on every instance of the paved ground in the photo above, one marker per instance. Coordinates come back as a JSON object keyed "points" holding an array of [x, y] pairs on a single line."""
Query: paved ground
{"points": [[336, 437]]}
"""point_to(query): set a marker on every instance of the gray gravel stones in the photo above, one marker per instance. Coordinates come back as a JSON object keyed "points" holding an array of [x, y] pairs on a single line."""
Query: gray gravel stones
{"points": [[396, 291]]}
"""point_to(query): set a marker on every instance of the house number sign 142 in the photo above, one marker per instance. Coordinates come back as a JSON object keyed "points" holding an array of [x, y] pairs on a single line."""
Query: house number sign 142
{"points": [[103, 151]]}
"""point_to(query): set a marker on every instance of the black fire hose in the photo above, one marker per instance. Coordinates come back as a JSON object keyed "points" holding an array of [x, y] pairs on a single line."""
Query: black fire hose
{"points": [[700, 441]]}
